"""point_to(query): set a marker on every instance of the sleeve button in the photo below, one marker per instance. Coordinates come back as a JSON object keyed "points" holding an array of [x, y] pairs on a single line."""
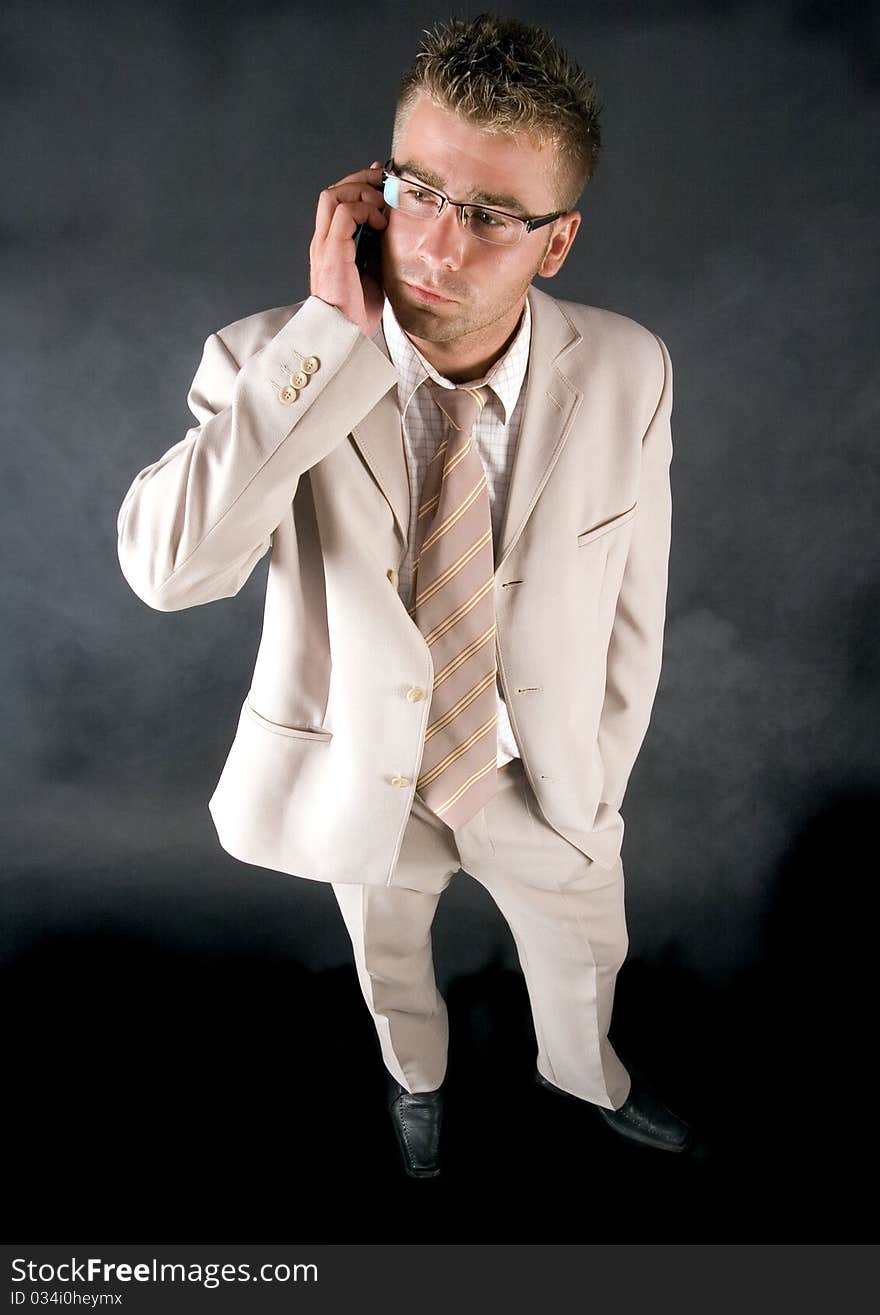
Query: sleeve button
{"points": [[311, 365]]}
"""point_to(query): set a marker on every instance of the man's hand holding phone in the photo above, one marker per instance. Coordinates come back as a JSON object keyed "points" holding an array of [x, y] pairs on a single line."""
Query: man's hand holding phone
{"points": [[335, 276]]}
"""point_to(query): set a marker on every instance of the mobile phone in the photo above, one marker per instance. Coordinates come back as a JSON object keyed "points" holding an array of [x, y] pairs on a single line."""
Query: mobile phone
{"points": [[366, 245], [366, 242]]}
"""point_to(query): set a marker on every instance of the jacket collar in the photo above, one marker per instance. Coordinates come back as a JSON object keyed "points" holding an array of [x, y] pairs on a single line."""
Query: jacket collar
{"points": [[505, 378], [550, 405]]}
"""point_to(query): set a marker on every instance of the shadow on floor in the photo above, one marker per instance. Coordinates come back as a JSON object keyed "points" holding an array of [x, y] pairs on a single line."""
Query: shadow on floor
{"points": [[203, 1093], [171, 1095]]}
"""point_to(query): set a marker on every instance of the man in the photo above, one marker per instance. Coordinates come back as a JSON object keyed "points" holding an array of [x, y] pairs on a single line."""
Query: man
{"points": [[464, 486]]}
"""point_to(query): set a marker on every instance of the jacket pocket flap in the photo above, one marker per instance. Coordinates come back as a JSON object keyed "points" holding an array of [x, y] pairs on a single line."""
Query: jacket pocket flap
{"points": [[295, 732], [607, 526]]}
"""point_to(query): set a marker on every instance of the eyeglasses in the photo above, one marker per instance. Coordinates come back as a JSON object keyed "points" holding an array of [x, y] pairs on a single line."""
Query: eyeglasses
{"points": [[413, 198]]}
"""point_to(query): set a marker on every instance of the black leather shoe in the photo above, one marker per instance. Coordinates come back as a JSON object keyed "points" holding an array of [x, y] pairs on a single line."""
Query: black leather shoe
{"points": [[416, 1118], [642, 1118]]}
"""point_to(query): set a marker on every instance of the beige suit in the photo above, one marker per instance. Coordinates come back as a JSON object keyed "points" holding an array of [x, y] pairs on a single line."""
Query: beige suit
{"points": [[320, 779]]}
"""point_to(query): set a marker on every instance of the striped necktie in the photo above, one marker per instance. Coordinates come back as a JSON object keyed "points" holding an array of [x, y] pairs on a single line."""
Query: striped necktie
{"points": [[454, 607]]}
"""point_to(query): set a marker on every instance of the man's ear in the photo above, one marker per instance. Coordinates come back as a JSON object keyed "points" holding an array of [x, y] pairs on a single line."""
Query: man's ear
{"points": [[560, 244]]}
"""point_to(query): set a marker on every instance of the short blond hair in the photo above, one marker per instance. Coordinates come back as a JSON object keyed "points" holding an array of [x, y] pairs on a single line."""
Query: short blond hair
{"points": [[509, 77]]}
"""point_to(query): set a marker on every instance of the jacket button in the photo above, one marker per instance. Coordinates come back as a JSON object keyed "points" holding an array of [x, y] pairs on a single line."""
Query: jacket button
{"points": [[287, 394], [311, 365], [415, 695], [299, 379], [400, 781]]}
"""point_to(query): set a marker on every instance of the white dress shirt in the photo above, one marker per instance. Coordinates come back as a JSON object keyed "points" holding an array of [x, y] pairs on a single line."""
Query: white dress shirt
{"points": [[495, 437]]}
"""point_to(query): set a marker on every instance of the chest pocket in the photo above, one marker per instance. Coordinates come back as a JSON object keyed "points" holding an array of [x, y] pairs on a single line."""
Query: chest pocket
{"points": [[606, 527]]}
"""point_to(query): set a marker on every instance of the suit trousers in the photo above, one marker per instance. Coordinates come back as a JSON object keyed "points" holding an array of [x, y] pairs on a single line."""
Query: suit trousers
{"points": [[567, 918]]}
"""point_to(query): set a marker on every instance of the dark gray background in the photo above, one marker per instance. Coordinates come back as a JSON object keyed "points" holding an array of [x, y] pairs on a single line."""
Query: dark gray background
{"points": [[162, 167]]}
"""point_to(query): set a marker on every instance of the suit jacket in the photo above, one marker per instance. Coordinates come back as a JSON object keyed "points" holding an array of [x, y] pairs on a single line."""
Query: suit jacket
{"points": [[320, 779]]}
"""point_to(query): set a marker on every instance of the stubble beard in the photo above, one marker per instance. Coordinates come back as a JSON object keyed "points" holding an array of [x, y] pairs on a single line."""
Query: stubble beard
{"points": [[431, 326], [421, 323]]}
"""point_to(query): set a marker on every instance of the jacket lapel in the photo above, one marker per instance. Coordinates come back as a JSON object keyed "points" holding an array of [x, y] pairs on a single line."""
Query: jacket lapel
{"points": [[550, 405], [551, 402], [379, 439]]}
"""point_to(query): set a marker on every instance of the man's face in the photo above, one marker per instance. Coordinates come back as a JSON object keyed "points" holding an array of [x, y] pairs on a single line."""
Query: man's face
{"points": [[484, 284]]}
